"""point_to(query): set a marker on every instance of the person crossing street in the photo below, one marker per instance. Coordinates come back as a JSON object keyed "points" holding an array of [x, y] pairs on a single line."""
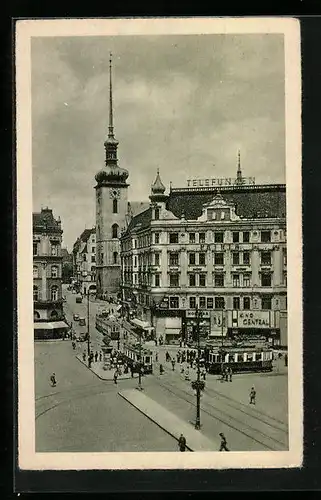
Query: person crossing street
{"points": [[223, 446]]}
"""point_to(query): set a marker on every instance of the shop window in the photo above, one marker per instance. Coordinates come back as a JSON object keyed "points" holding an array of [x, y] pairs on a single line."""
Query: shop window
{"points": [[115, 206], [218, 237], [202, 302], [236, 302], [114, 231], [246, 303], [174, 303], [202, 280], [219, 259], [246, 236], [266, 302], [265, 236], [192, 280], [246, 258], [191, 257], [266, 279], [236, 280], [156, 259], [236, 237], [201, 238], [201, 259], [235, 258], [35, 271], [192, 302], [210, 303], [192, 237], [218, 279], [174, 280], [266, 258], [219, 303], [173, 237]]}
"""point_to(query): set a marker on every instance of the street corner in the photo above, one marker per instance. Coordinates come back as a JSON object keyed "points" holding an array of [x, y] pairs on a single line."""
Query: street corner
{"points": [[98, 369]]}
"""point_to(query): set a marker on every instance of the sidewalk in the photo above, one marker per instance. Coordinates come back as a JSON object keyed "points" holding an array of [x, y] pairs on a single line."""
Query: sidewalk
{"points": [[97, 369], [168, 421]]}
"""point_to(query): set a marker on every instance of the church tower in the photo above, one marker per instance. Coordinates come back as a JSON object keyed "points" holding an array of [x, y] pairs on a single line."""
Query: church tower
{"points": [[111, 210]]}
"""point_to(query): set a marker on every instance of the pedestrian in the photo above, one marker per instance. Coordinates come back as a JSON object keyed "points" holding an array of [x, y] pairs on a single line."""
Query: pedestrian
{"points": [[161, 369], [115, 377], [223, 446], [252, 396], [53, 380], [84, 356], [230, 372], [156, 357], [132, 371], [182, 443], [187, 374], [100, 356], [226, 374], [173, 364], [182, 368], [96, 356]]}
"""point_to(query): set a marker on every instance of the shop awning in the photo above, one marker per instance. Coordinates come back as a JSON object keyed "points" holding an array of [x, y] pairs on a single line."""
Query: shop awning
{"points": [[142, 324], [54, 325]]}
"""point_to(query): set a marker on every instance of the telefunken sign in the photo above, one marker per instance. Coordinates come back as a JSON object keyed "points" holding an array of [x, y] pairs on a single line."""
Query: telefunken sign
{"points": [[224, 181]]}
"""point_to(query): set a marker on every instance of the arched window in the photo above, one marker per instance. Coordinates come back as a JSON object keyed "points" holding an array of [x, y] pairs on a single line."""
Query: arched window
{"points": [[115, 256], [54, 293], [115, 206], [114, 231], [35, 292], [54, 314], [35, 272], [36, 315], [54, 271]]}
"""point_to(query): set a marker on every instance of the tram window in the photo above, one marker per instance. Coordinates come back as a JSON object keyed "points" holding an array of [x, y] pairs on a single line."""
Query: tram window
{"points": [[231, 358], [147, 359], [250, 357], [259, 356], [236, 357], [254, 356]]}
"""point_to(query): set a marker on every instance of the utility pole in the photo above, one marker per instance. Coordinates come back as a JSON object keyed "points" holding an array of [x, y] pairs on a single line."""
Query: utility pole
{"points": [[140, 363], [88, 334]]}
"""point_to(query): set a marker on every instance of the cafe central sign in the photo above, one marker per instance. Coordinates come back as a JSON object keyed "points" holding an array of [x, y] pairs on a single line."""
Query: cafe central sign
{"points": [[221, 181]]}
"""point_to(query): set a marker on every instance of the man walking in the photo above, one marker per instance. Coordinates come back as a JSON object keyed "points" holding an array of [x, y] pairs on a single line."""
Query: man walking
{"points": [[182, 443], [223, 446], [252, 396], [230, 372], [115, 377], [53, 380]]}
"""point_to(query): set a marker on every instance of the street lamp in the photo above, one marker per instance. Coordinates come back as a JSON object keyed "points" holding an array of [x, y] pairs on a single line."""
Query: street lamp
{"points": [[197, 384], [140, 363]]}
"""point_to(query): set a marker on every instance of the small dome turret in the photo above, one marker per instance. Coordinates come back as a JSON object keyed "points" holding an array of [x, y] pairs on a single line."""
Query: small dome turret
{"points": [[158, 187]]}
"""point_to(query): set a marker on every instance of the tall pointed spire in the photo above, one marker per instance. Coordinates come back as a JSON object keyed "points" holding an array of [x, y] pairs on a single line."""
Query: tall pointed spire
{"points": [[239, 178], [111, 121]]}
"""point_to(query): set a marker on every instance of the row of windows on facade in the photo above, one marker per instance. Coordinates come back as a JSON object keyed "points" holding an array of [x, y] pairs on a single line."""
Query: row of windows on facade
{"points": [[239, 303], [199, 280], [54, 248], [54, 293], [215, 214], [199, 259], [92, 258], [54, 271], [115, 258], [92, 269], [219, 237]]}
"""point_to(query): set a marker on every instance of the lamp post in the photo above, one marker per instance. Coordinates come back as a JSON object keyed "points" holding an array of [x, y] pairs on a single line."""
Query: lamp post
{"points": [[140, 363], [198, 385]]}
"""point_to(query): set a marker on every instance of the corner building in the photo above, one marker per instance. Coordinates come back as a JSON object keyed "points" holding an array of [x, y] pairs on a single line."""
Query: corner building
{"points": [[222, 250], [47, 276]]}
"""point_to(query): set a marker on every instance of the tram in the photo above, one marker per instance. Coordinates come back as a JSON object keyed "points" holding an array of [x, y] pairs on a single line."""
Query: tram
{"points": [[240, 359], [130, 354]]}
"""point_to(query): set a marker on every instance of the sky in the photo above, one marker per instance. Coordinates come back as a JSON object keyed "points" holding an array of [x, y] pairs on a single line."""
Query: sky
{"points": [[184, 104]]}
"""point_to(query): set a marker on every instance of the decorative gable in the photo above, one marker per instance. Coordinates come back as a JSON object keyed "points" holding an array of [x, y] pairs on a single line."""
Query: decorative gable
{"points": [[218, 210]]}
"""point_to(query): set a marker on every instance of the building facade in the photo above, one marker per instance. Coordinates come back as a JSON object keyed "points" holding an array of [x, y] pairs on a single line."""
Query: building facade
{"points": [[220, 249], [47, 276], [84, 260]]}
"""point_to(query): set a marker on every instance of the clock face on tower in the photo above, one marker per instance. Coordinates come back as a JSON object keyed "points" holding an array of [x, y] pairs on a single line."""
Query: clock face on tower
{"points": [[114, 193]]}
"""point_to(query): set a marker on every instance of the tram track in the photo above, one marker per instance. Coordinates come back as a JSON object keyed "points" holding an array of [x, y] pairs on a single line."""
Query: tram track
{"points": [[224, 416]]}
